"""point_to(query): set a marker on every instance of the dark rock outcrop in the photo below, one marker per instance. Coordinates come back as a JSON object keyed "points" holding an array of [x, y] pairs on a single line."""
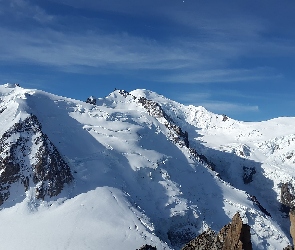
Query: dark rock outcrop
{"points": [[124, 93], [180, 235], [2, 109], [201, 158], [288, 201], [257, 203], [224, 118], [206, 240], [249, 172], [234, 236], [147, 247], [292, 227], [27, 156], [91, 100], [287, 195]]}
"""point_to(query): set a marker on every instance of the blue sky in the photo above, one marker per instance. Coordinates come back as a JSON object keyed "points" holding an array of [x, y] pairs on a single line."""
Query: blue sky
{"points": [[232, 57]]}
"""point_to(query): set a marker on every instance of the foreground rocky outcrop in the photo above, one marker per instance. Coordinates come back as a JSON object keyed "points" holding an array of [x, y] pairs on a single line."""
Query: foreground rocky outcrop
{"points": [[288, 201], [234, 236], [288, 248], [292, 227], [29, 159]]}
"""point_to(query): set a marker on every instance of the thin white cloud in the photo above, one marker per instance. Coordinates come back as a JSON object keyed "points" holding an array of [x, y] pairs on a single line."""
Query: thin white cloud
{"points": [[209, 101], [58, 49], [227, 107], [220, 75], [203, 57], [182, 62], [22, 9], [191, 98]]}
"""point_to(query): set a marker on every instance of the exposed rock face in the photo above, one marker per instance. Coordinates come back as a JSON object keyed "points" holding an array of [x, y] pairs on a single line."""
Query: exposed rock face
{"points": [[224, 118], [147, 247], [2, 109], [257, 203], [249, 172], [124, 92], [27, 156], [234, 236], [287, 194], [180, 234], [288, 248], [288, 200], [91, 100], [292, 228], [206, 240]]}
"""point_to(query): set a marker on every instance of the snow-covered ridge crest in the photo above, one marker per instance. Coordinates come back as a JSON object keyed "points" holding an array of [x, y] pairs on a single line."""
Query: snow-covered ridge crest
{"points": [[11, 85]]}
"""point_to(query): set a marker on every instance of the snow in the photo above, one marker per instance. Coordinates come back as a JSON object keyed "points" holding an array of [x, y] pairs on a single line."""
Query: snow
{"points": [[134, 186], [98, 219]]}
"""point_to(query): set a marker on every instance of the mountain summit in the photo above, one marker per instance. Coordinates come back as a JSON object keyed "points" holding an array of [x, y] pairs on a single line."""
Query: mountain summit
{"points": [[135, 168]]}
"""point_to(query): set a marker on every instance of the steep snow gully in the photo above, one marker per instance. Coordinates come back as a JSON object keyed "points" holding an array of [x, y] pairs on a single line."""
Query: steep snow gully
{"points": [[136, 168]]}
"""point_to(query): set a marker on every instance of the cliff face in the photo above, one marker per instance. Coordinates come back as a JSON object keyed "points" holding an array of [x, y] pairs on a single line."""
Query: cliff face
{"points": [[28, 157], [234, 236], [292, 228], [288, 200]]}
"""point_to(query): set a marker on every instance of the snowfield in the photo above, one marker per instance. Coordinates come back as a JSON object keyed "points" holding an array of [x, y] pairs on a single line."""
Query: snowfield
{"points": [[136, 182]]}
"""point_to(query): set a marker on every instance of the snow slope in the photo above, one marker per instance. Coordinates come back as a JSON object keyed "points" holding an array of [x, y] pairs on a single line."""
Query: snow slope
{"points": [[136, 178]]}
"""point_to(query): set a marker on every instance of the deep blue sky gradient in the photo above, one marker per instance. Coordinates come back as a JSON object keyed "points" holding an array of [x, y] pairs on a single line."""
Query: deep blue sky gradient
{"points": [[232, 57]]}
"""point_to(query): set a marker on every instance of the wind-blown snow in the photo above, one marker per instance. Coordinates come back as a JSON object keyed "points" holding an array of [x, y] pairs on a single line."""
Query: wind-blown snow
{"points": [[134, 186]]}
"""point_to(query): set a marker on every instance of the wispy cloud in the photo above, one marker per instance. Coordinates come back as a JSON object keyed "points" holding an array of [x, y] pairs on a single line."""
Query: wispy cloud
{"points": [[22, 9], [77, 52], [227, 107], [210, 102], [58, 49], [204, 57], [221, 75]]}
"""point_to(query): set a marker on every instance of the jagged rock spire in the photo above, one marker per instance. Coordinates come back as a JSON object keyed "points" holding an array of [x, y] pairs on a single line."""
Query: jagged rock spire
{"points": [[234, 236]]}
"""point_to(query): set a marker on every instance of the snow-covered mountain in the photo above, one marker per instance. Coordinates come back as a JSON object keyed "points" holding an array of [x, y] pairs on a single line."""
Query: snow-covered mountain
{"points": [[136, 168]]}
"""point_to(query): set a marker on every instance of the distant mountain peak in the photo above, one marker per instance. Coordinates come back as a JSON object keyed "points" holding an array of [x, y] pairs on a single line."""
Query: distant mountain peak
{"points": [[11, 85]]}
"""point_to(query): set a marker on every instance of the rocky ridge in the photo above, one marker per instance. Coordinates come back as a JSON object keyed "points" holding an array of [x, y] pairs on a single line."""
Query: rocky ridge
{"points": [[288, 205], [234, 236], [176, 133], [28, 157]]}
